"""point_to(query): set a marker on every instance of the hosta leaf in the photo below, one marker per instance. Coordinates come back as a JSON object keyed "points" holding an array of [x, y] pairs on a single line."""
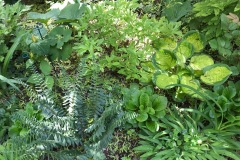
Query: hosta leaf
{"points": [[189, 81], [167, 43], [215, 74], [160, 103], [152, 126], [195, 39], [142, 117], [184, 51], [163, 80], [45, 67], [201, 61], [164, 60]]}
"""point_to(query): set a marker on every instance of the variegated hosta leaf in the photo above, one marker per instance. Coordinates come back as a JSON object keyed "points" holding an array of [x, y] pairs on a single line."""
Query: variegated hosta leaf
{"points": [[163, 80], [201, 61], [215, 74], [164, 60], [189, 81], [184, 51], [167, 43], [195, 39]]}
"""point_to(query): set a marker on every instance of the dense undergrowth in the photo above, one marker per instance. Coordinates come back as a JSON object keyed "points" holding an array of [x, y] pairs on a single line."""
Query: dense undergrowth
{"points": [[129, 80]]}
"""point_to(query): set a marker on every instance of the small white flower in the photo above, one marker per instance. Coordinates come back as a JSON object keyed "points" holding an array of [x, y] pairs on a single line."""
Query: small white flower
{"points": [[199, 141]]}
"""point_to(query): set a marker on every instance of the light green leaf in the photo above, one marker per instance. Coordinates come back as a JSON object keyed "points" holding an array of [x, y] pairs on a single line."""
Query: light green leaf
{"points": [[73, 11], [162, 80], [195, 39], [11, 82], [188, 80], [144, 99], [49, 82], [160, 114], [160, 103], [201, 61], [151, 111], [215, 74], [45, 67], [184, 51], [147, 154], [31, 79], [166, 43], [43, 17], [152, 126], [164, 60], [29, 63], [237, 8], [142, 117], [24, 132], [144, 148]]}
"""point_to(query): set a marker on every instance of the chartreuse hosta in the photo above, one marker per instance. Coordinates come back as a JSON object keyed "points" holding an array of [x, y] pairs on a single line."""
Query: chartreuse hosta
{"points": [[187, 65]]}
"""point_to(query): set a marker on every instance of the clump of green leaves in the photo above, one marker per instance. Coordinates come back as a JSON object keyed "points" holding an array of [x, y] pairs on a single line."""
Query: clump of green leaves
{"points": [[122, 41], [149, 106], [208, 12], [182, 137], [227, 97], [172, 66], [227, 41]]}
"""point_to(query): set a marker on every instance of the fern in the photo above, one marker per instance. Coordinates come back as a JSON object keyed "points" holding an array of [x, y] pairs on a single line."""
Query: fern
{"points": [[78, 122]]}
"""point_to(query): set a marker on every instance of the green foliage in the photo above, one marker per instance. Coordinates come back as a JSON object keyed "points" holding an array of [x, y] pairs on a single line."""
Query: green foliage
{"points": [[227, 41], [122, 144], [181, 137], [175, 10], [83, 119], [70, 110], [208, 13], [9, 17], [150, 107], [172, 67], [69, 13], [121, 40], [213, 7], [228, 99]]}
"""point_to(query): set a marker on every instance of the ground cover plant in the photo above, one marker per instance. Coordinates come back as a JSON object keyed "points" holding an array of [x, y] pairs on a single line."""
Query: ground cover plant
{"points": [[121, 80]]}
